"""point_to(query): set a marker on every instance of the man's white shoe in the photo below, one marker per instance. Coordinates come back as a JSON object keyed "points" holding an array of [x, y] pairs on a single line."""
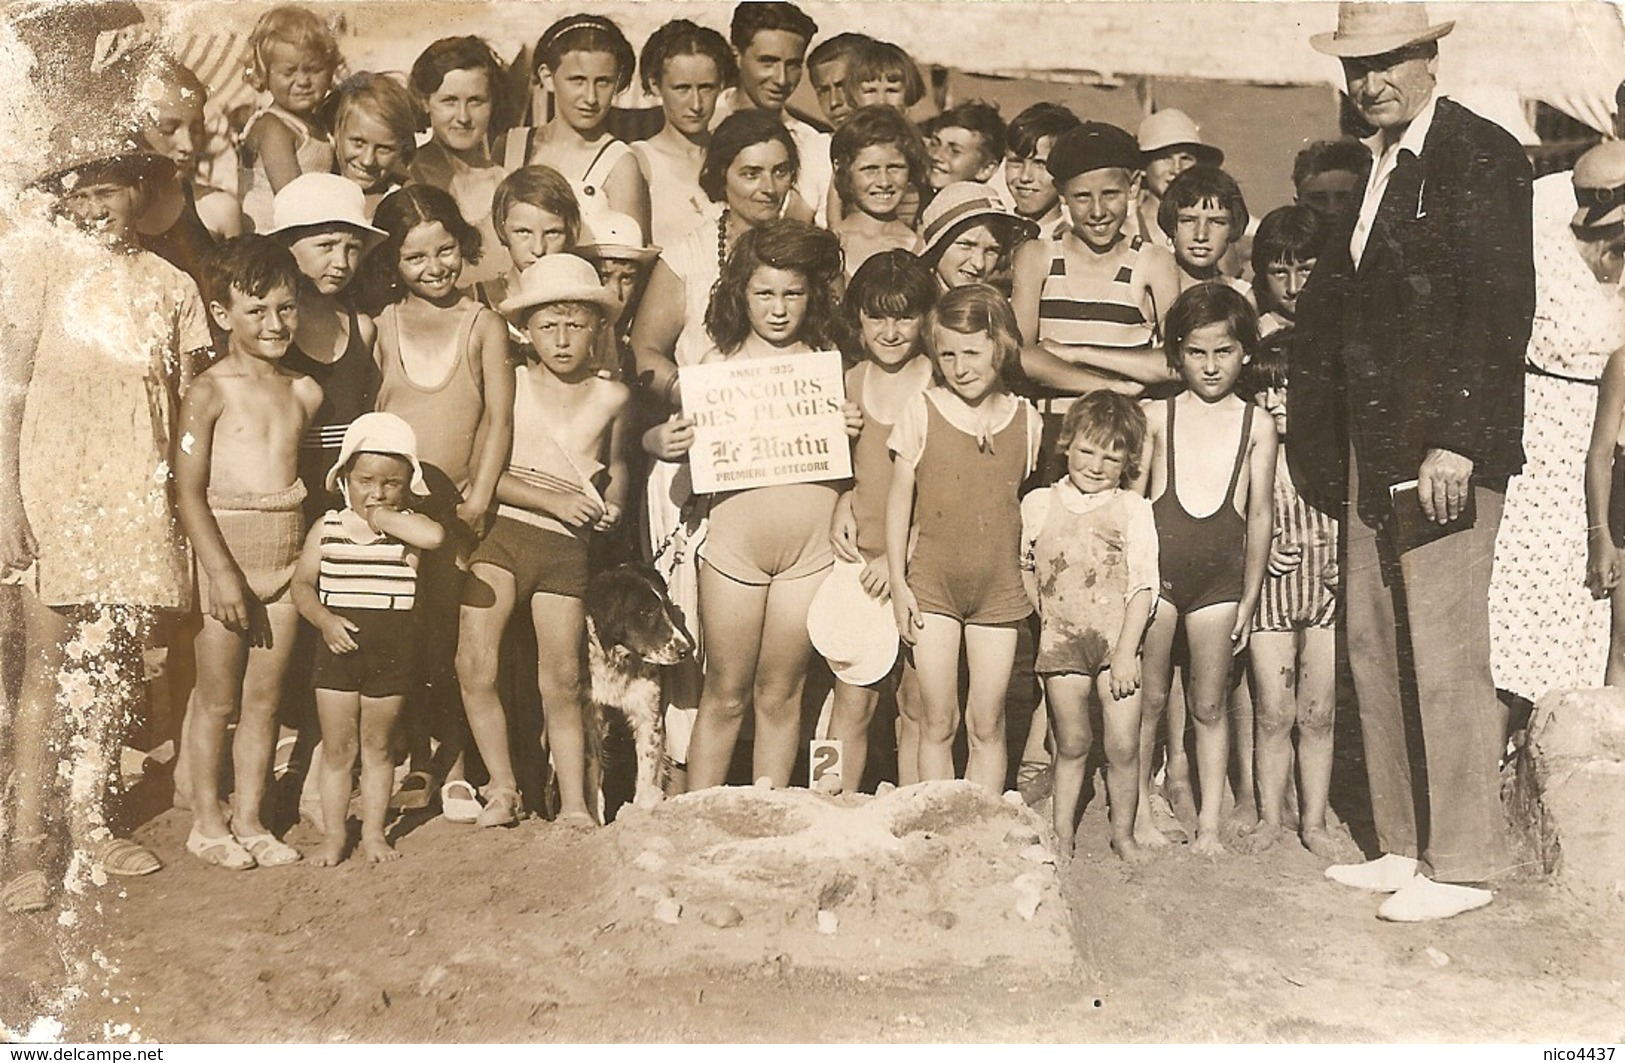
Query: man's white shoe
{"points": [[1386, 874], [1425, 900]]}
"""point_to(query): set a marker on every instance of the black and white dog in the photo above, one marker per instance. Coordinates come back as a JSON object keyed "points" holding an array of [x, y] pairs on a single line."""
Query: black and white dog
{"points": [[633, 630]]}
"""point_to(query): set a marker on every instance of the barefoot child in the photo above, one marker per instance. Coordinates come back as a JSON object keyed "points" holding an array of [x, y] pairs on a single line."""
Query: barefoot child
{"points": [[1089, 562], [885, 307], [1293, 651], [569, 425], [960, 452], [1204, 214], [239, 493], [293, 58], [767, 549], [878, 157], [1212, 566], [98, 340], [356, 584]]}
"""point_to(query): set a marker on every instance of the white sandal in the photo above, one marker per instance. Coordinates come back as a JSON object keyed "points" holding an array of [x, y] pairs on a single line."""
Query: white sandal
{"points": [[459, 802], [225, 852]]}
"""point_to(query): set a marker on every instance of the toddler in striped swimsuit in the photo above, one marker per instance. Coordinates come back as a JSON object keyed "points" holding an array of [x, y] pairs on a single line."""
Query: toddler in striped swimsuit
{"points": [[356, 584]]}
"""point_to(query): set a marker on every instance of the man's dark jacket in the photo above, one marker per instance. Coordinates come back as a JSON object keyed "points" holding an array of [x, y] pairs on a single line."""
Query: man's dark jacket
{"points": [[1423, 345]]}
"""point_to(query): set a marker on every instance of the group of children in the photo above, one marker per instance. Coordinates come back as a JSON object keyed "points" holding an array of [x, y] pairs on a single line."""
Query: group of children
{"points": [[433, 378]]}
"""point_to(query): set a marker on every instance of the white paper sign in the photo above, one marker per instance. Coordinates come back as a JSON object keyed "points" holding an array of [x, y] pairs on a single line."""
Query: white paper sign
{"points": [[765, 421]]}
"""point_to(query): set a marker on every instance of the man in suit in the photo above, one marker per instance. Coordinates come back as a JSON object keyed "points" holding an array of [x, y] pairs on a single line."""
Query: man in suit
{"points": [[1412, 331]]}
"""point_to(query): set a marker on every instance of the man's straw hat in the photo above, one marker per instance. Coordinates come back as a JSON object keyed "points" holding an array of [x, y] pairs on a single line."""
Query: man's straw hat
{"points": [[1370, 28]]}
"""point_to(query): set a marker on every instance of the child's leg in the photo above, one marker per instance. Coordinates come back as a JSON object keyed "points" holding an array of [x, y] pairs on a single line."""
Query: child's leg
{"points": [[485, 611], [1067, 697], [561, 646], [222, 658], [1245, 813], [1614, 676], [936, 663], [1317, 705], [1156, 675], [910, 720], [731, 619], [339, 712], [1177, 777], [849, 720], [253, 747], [379, 717], [1275, 680], [1121, 723], [1207, 631], [36, 727], [990, 653], [781, 672]]}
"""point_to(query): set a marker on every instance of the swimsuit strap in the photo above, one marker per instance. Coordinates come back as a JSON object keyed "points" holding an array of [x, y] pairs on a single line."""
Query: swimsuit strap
{"points": [[464, 334], [1168, 454], [593, 165], [1241, 454]]}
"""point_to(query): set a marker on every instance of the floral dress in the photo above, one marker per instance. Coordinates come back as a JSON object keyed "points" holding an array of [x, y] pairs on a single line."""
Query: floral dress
{"points": [[1546, 631]]}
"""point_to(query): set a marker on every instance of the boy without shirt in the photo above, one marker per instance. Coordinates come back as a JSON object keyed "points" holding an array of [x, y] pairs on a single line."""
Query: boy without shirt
{"points": [[1204, 214], [240, 501]]}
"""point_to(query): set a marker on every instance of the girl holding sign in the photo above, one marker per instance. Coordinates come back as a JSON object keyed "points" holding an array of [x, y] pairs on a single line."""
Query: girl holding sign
{"points": [[768, 547]]}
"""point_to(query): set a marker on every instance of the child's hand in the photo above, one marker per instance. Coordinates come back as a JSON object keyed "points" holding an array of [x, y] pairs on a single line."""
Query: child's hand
{"points": [[876, 578], [854, 418], [1331, 575], [474, 515], [228, 600], [1284, 556], [1124, 673], [611, 517], [378, 518], [671, 439], [910, 621], [1242, 629], [1602, 567], [843, 531], [335, 631], [577, 510], [17, 545]]}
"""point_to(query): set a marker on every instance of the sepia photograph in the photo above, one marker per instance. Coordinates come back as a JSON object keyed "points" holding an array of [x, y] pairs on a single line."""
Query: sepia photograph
{"points": [[813, 523]]}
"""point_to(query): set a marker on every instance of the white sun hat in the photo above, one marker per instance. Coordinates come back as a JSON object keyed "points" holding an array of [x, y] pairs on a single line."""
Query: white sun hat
{"points": [[379, 433], [856, 633], [313, 199], [559, 278]]}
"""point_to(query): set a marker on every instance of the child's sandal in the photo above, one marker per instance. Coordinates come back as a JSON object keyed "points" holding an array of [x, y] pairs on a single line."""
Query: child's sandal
{"points": [[501, 809], [459, 803], [268, 851], [123, 857], [225, 852]]}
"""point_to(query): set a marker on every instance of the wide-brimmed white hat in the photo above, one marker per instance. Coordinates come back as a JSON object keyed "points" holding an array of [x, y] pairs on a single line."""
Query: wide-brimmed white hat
{"points": [[379, 433], [615, 235], [313, 199], [1599, 186], [856, 634], [557, 279], [1174, 128], [966, 203], [1377, 27]]}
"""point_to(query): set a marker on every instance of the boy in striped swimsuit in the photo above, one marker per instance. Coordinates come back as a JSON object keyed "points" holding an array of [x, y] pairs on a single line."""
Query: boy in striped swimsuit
{"points": [[1089, 299], [356, 584]]}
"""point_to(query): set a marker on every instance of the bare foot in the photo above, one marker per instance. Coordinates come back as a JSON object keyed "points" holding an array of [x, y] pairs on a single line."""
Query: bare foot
{"points": [[1128, 851], [1148, 835], [1183, 801], [1329, 845], [377, 850], [1263, 835], [1207, 843], [1244, 815], [329, 853]]}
